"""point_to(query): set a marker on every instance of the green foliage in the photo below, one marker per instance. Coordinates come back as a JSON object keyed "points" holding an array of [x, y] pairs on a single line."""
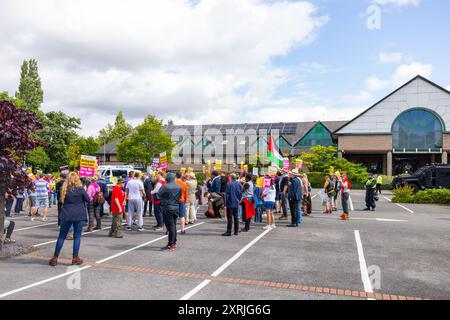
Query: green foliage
{"points": [[38, 159], [81, 146], [4, 96], [30, 87], [434, 196], [319, 160], [144, 143], [200, 178], [317, 179], [59, 132], [403, 194], [120, 130]]}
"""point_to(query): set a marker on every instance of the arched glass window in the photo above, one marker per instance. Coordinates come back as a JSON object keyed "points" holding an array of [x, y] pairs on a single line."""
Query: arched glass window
{"points": [[417, 129]]}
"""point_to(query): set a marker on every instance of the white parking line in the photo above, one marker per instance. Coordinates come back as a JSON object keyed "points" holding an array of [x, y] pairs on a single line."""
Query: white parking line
{"points": [[409, 210], [399, 205], [38, 226], [87, 266], [216, 273], [362, 264], [369, 219]]}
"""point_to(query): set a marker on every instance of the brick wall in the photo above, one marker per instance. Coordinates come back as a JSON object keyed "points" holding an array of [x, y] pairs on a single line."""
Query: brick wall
{"points": [[447, 142], [367, 143]]}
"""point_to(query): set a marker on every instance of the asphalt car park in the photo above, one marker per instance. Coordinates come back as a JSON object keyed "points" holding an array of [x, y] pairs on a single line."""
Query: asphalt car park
{"points": [[396, 252]]}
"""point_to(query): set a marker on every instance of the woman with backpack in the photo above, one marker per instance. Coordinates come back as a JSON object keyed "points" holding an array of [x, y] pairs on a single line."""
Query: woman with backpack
{"points": [[96, 199], [73, 214], [328, 194]]}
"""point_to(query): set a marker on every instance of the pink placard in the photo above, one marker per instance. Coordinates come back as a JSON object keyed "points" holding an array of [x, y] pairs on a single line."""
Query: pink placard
{"points": [[86, 172], [267, 182], [286, 164]]}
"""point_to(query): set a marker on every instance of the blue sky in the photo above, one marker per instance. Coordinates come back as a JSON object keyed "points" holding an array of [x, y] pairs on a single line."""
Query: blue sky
{"points": [[349, 52], [221, 61]]}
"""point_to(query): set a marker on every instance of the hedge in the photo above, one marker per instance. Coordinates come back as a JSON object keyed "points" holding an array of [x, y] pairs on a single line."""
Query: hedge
{"points": [[317, 180], [406, 194]]}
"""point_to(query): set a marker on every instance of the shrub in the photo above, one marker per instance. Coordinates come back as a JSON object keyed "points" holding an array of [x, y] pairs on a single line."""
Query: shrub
{"points": [[435, 196], [403, 194], [200, 178], [316, 179], [430, 196]]}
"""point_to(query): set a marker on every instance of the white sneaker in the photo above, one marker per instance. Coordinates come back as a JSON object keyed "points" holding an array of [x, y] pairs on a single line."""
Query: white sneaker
{"points": [[31, 219], [273, 226], [267, 227]]}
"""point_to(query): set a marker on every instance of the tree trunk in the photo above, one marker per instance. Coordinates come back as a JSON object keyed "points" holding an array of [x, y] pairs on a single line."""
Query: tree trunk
{"points": [[2, 213]]}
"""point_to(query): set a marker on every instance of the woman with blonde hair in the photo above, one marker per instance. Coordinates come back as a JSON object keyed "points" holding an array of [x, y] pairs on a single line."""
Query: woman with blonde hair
{"points": [[73, 214]]}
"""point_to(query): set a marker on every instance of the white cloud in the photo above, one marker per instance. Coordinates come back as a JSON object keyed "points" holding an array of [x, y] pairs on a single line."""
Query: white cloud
{"points": [[373, 83], [402, 74], [390, 57], [361, 98], [406, 72], [397, 3], [175, 59]]}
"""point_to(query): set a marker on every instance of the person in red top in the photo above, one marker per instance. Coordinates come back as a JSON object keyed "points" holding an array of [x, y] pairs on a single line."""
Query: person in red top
{"points": [[117, 209], [183, 199]]}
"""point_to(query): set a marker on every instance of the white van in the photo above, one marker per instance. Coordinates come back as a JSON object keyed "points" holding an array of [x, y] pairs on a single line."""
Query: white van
{"points": [[112, 173]]}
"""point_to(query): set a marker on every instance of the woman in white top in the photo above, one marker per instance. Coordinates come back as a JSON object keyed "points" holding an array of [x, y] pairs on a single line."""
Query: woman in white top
{"points": [[269, 195]]}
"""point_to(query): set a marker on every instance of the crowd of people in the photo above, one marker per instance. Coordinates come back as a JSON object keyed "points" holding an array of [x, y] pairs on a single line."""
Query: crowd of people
{"points": [[174, 198]]}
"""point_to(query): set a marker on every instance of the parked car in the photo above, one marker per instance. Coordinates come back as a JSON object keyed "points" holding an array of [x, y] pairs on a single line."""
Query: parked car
{"points": [[428, 177]]}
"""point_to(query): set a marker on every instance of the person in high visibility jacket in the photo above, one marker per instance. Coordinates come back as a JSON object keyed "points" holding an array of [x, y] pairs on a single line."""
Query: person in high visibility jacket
{"points": [[379, 183], [371, 185]]}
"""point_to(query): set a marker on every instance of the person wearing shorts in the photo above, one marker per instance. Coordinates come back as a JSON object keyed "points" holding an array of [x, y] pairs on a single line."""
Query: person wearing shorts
{"points": [[269, 196], [41, 186]]}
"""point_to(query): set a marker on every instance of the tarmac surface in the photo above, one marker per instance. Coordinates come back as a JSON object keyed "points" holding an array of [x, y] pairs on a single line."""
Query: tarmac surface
{"points": [[397, 252]]}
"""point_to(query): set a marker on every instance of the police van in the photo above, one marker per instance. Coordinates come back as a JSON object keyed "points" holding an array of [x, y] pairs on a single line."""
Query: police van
{"points": [[113, 173]]}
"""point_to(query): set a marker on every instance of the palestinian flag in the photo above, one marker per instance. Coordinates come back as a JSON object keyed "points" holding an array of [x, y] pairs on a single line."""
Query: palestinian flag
{"points": [[273, 155]]}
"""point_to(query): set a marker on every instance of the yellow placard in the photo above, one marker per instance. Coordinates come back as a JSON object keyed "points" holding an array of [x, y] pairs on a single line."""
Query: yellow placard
{"points": [[331, 170], [87, 161], [218, 165], [190, 170], [183, 170], [259, 182]]}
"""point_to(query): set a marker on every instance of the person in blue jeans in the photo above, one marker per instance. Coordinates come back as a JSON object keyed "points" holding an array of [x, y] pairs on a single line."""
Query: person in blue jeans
{"points": [[258, 201], [73, 214]]}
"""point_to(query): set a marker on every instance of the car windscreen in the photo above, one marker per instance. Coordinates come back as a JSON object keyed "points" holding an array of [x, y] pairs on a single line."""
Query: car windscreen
{"points": [[119, 173]]}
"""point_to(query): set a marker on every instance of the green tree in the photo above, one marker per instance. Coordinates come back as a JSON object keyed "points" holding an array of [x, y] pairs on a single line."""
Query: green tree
{"points": [[4, 96], [30, 87], [320, 159], [38, 159], [81, 146], [120, 130], [145, 142], [59, 133]]}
